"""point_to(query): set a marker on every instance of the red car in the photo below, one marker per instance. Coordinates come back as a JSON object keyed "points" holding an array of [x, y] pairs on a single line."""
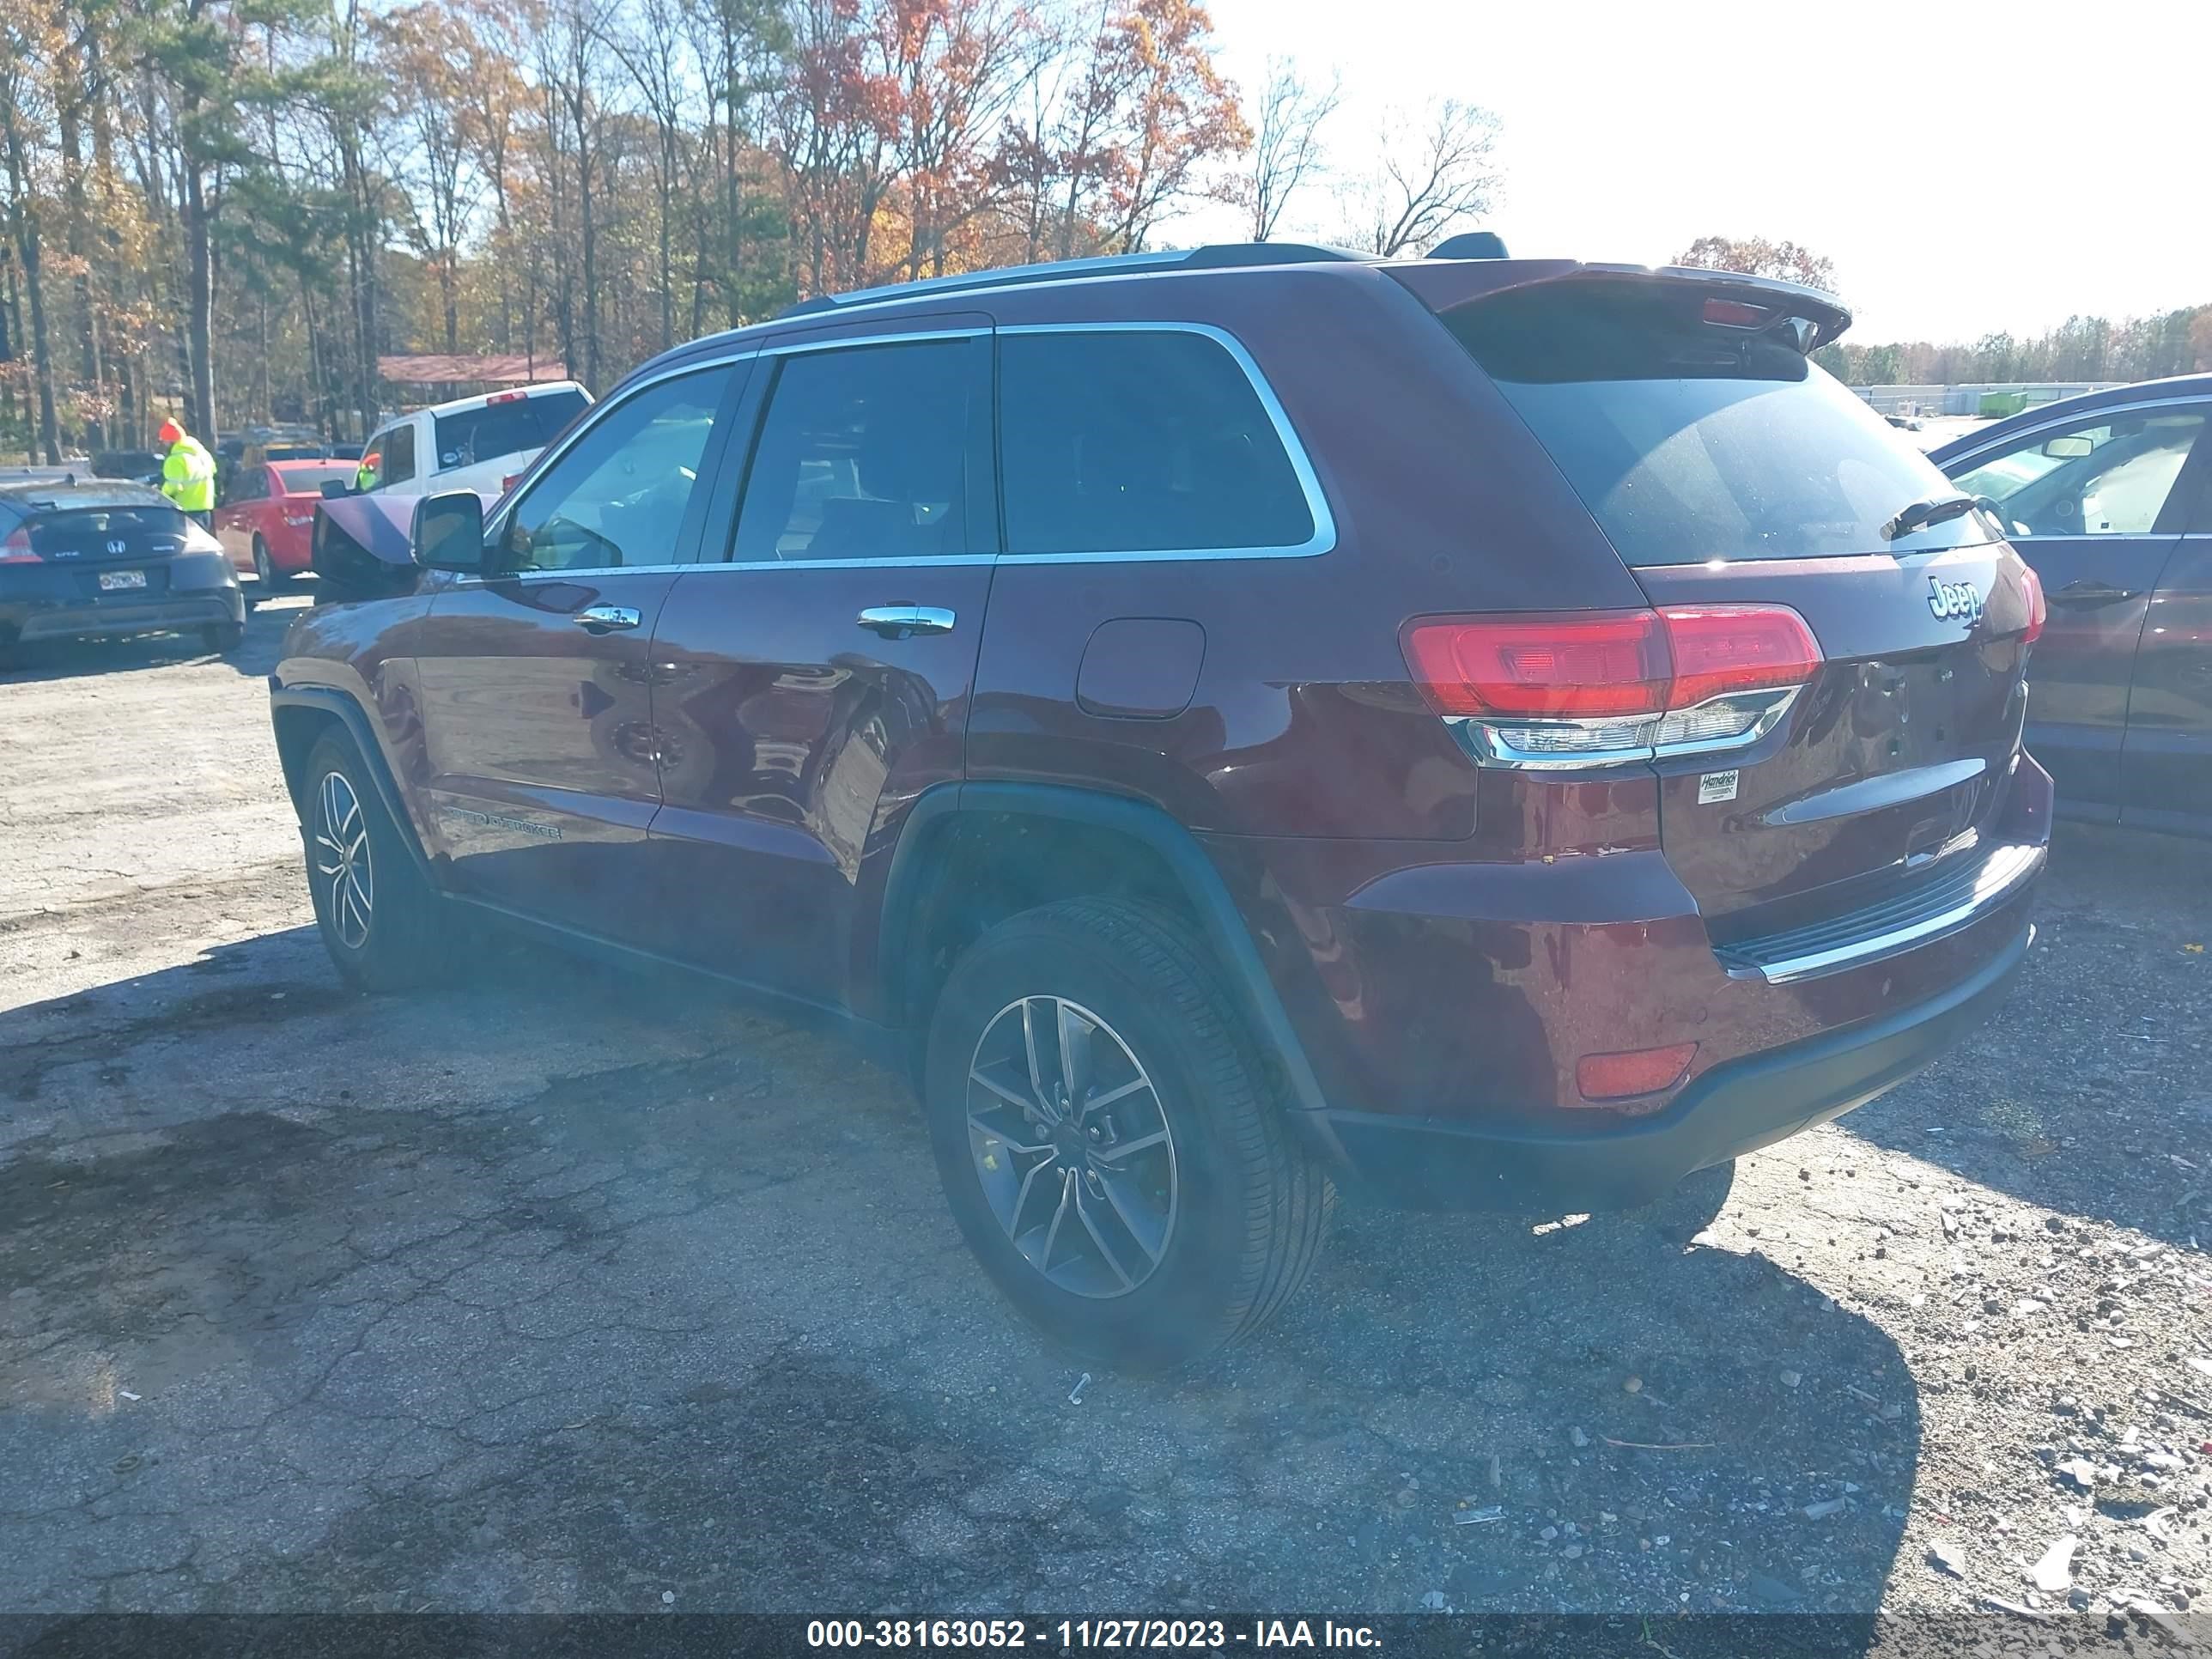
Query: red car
{"points": [[267, 519]]}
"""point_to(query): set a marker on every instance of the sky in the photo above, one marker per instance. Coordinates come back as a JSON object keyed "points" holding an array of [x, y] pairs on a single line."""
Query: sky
{"points": [[1969, 167]]}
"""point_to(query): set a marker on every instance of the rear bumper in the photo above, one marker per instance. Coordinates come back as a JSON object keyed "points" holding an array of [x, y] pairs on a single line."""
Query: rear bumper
{"points": [[108, 619], [1735, 1108]]}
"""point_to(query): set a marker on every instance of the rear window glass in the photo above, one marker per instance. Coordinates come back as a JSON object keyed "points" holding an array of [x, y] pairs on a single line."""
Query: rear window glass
{"points": [[1139, 441], [498, 429], [88, 530], [309, 480], [1690, 443]]}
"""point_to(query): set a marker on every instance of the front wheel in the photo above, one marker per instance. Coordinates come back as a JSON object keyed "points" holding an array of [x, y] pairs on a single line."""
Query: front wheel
{"points": [[382, 923], [1111, 1139]]}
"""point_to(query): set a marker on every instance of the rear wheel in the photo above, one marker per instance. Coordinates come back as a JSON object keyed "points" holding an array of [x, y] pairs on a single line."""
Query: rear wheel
{"points": [[223, 637], [273, 581], [382, 923], [1111, 1140]]}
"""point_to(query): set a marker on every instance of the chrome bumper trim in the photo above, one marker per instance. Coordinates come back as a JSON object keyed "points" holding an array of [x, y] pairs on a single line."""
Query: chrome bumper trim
{"points": [[2001, 874]]}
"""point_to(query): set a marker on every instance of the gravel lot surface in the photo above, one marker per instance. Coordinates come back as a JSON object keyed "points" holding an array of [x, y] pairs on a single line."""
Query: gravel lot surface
{"points": [[559, 1291]]}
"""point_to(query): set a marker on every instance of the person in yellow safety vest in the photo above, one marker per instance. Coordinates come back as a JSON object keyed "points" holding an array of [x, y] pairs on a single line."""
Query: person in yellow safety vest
{"points": [[188, 474], [364, 477]]}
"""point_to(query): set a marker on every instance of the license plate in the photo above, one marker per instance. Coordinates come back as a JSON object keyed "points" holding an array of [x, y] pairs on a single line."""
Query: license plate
{"points": [[112, 579]]}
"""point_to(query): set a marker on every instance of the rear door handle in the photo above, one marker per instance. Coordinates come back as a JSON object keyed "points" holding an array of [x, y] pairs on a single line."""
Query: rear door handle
{"points": [[898, 621], [2086, 592], [605, 618]]}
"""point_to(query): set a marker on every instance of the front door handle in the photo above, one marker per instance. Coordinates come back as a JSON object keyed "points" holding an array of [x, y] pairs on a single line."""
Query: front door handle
{"points": [[605, 618], [899, 622], [2086, 592]]}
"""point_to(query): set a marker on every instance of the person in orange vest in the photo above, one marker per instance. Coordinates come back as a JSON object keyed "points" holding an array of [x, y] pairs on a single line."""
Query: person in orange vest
{"points": [[188, 474]]}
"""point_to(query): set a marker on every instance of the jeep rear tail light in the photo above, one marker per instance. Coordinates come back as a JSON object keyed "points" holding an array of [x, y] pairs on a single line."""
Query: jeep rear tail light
{"points": [[1602, 687], [1587, 664], [16, 550]]}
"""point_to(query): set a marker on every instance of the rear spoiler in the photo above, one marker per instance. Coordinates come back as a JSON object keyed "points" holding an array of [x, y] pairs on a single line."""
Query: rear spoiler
{"points": [[1813, 317]]}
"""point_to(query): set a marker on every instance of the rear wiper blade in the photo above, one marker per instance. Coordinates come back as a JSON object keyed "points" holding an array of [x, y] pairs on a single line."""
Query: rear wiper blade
{"points": [[1935, 510]]}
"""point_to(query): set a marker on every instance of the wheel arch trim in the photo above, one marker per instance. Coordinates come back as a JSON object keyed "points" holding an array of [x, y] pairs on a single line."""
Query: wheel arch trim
{"points": [[353, 718], [1221, 923]]}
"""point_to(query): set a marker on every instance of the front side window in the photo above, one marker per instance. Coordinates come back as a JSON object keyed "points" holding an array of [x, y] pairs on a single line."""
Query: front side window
{"points": [[398, 463], [1139, 440], [863, 454], [2110, 479], [618, 494]]}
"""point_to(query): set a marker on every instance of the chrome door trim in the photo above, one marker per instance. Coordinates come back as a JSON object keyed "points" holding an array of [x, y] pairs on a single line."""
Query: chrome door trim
{"points": [[496, 528]]}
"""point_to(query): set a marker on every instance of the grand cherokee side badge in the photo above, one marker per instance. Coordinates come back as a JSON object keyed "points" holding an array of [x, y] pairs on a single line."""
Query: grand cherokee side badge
{"points": [[1950, 599]]}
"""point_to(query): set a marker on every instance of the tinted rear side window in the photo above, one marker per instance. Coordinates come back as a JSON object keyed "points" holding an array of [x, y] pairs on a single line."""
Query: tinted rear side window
{"points": [[1139, 440], [864, 454], [482, 434], [1690, 443]]}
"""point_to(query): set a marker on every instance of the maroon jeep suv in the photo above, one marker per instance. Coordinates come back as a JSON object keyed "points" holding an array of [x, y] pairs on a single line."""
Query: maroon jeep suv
{"points": [[1235, 726]]}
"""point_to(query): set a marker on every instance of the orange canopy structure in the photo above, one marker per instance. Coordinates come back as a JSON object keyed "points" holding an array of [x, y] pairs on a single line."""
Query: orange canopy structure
{"points": [[512, 368]]}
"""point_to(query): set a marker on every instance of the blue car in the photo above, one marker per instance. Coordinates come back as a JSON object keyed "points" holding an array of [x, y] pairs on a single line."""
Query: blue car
{"points": [[2109, 497]]}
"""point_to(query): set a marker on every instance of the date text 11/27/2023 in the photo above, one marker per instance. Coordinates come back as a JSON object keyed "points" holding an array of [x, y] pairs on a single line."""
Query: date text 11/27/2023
{"points": [[1069, 1635]]}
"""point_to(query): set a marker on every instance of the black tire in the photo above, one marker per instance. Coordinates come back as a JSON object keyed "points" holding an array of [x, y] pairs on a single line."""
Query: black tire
{"points": [[401, 938], [223, 637], [1250, 1207], [272, 580]]}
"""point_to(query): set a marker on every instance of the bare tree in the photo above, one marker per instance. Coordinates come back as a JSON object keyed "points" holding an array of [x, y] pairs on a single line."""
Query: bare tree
{"points": [[1429, 171], [1287, 150], [650, 41]]}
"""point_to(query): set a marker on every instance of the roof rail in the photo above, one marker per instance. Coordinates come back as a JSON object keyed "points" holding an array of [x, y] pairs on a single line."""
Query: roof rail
{"points": [[1214, 257]]}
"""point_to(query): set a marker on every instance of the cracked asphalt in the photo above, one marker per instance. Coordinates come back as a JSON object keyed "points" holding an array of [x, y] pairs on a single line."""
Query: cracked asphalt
{"points": [[558, 1291]]}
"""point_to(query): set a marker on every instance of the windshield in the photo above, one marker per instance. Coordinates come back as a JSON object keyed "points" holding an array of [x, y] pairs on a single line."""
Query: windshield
{"points": [[523, 426], [1690, 443], [310, 480]]}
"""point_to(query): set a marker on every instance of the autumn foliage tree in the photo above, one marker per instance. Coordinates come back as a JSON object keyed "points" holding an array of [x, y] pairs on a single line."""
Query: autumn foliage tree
{"points": [[234, 210], [1755, 256]]}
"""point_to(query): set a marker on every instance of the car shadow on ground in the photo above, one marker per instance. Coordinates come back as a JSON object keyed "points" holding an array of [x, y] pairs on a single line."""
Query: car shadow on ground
{"points": [[63, 659], [2054, 1103], [555, 1290]]}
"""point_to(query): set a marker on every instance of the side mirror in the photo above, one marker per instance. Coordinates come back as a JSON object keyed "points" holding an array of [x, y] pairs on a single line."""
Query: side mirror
{"points": [[334, 488], [448, 532], [2069, 449]]}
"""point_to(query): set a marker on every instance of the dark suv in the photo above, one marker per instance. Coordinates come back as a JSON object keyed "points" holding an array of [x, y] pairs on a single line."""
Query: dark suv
{"points": [[1231, 725]]}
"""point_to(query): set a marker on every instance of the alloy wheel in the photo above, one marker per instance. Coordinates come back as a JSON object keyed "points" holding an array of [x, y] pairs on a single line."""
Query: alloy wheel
{"points": [[1072, 1146], [342, 859]]}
